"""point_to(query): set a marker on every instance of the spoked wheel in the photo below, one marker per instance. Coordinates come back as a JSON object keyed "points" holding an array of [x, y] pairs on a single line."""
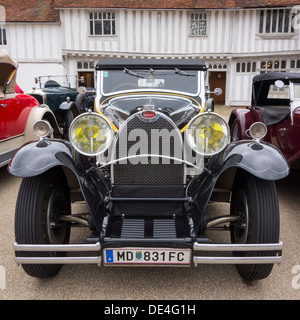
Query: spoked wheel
{"points": [[42, 200], [255, 201]]}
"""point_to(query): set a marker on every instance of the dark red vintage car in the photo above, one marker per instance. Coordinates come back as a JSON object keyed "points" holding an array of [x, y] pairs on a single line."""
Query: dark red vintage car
{"points": [[18, 112], [276, 104]]}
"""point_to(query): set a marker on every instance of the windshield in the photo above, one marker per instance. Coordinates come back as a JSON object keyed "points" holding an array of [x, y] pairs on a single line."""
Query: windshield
{"points": [[163, 80], [57, 81]]}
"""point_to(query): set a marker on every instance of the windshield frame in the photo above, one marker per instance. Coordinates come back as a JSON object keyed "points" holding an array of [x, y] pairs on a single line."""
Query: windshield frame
{"points": [[139, 90]]}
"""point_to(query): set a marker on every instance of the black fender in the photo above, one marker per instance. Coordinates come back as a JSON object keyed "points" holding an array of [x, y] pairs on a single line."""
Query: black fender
{"points": [[37, 157], [261, 159], [70, 105]]}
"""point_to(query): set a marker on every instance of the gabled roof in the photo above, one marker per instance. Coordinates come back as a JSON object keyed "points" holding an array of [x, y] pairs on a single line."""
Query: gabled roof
{"points": [[48, 10]]}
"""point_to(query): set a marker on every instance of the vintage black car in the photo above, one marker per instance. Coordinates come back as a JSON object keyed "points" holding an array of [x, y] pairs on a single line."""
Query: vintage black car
{"points": [[64, 99], [147, 163]]}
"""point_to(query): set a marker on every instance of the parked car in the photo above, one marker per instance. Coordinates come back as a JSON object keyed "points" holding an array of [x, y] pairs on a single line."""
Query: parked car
{"points": [[18, 112], [147, 163], [275, 103], [65, 101]]}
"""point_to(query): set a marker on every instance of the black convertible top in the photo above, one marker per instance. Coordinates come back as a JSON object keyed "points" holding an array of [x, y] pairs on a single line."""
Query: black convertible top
{"points": [[262, 82], [183, 64], [271, 76], [273, 110]]}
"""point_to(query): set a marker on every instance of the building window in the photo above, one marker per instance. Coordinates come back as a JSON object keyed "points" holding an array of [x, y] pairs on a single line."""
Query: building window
{"points": [[217, 66], [3, 39], [86, 65], [246, 67], [275, 21], [102, 23], [273, 65], [295, 64], [198, 24]]}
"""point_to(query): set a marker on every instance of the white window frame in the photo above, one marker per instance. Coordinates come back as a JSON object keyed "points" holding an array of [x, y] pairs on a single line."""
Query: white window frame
{"points": [[271, 65], [246, 67], [295, 64], [277, 25], [102, 17], [198, 17]]}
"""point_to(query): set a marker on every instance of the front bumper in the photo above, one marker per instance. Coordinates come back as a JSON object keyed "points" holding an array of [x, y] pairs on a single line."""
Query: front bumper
{"points": [[269, 253]]}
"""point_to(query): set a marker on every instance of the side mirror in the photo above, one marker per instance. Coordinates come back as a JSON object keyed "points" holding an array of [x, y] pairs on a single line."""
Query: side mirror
{"points": [[218, 91]]}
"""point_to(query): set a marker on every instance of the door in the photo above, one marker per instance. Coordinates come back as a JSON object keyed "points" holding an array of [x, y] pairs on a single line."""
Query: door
{"points": [[218, 80], [86, 79]]}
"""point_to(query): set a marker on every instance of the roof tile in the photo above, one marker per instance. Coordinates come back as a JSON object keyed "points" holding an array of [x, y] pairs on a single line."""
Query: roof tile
{"points": [[48, 10]]}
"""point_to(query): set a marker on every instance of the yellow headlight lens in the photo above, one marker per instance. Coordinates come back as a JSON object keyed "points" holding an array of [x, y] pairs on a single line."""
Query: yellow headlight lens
{"points": [[208, 134], [90, 134]]}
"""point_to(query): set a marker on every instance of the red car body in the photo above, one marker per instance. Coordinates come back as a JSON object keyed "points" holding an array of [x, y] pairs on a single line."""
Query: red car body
{"points": [[278, 108], [18, 111]]}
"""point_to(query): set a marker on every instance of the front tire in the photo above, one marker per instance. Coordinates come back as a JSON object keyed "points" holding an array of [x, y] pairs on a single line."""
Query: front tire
{"points": [[255, 200], [40, 203]]}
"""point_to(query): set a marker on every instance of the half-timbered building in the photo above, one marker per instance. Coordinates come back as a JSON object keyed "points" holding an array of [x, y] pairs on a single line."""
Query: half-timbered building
{"points": [[237, 39]]}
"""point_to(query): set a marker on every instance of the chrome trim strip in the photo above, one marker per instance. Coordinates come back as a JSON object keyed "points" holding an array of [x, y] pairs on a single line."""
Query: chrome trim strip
{"points": [[150, 155], [237, 260], [238, 247], [59, 247], [59, 260]]}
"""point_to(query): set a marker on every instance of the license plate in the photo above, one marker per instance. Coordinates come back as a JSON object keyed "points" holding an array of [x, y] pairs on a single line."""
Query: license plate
{"points": [[147, 256]]}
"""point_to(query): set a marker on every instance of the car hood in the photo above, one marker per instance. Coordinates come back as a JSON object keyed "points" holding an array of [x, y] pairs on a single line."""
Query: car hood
{"points": [[57, 95]]}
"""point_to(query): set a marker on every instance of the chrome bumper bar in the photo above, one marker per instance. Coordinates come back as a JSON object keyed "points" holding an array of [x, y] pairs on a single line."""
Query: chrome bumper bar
{"points": [[276, 247], [198, 247], [58, 248]]}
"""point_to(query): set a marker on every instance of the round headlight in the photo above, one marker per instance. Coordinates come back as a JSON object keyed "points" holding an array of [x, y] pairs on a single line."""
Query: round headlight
{"points": [[207, 134], [42, 128], [258, 130], [90, 134]]}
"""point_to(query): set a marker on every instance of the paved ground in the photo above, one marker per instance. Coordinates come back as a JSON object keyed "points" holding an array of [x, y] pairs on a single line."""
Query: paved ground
{"points": [[204, 282]]}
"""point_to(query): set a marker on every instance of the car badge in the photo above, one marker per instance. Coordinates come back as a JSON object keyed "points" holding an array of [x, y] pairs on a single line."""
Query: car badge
{"points": [[149, 114], [138, 255]]}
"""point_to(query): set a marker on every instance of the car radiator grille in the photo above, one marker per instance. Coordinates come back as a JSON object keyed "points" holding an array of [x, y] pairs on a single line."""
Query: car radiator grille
{"points": [[143, 173]]}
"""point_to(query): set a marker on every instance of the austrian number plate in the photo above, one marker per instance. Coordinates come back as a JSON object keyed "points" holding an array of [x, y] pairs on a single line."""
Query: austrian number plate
{"points": [[147, 256]]}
